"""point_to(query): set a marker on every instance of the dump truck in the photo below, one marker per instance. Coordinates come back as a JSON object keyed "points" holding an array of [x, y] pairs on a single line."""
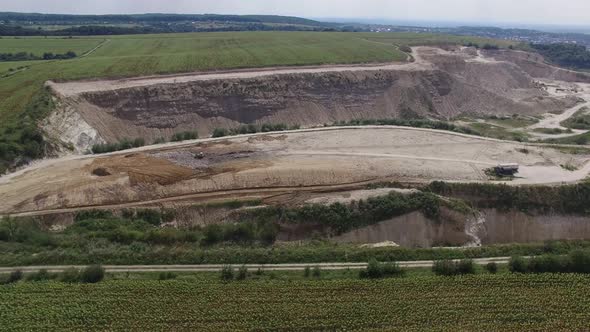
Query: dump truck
{"points": [[506, 169]]}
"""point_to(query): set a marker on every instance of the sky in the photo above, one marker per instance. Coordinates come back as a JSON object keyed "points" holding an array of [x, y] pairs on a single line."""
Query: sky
{"points": [[543, 12]]}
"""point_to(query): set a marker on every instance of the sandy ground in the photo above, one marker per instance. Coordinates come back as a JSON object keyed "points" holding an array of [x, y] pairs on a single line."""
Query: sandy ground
{"points": [[273, 164]]}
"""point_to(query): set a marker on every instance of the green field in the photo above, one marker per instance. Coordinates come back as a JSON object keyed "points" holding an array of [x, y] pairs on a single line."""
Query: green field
{"points": [[503, 302]]}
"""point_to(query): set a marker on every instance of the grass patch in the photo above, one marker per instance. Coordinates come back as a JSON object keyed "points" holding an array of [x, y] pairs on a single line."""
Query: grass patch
{"points": [[415, 123], [553, 131], [581, 139], [498, 132]]}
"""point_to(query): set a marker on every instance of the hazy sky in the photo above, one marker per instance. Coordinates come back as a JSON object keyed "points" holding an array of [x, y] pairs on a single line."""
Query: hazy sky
{"points": [[570, 12]]}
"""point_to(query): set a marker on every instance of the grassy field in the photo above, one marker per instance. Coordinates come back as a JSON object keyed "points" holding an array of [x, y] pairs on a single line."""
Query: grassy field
{"points": [[483, 302]]}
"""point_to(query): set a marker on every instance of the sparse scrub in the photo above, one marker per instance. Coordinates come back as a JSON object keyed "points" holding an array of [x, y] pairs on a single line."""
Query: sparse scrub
{"points": [[184, 136], [416, 123], [124, 144]]}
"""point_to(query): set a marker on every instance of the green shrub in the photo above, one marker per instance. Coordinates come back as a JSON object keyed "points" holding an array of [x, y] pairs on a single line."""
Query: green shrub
{"points": [[444, 268], [70, 275], [167, 276], [242, 273], [220, 132], [376, 270], [465, 266], [184, 136], [580, 261], [92, 274], [124, 144], [307, 272], [452, 268], [41, 275], [517, 264], [159, 140], [93, 214], [316, 272], [13, 277], [492, 267], [227, 273]]}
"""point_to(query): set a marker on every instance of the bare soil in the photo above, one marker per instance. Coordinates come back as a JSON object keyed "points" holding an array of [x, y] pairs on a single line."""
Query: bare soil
{"points": [[270, 165]]}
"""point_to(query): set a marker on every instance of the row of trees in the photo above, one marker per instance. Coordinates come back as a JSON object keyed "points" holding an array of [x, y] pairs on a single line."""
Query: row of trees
{"points": [[24, 56]]}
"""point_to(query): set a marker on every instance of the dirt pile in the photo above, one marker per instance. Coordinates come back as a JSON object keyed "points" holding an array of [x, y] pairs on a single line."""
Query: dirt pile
{"points": [[440, 84]]}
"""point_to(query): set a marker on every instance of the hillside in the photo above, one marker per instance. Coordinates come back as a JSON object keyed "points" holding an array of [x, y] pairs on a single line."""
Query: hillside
{"points": [[33, 24]]}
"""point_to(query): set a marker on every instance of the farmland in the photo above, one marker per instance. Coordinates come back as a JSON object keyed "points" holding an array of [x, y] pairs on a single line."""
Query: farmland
{"points": [[481, 302]]}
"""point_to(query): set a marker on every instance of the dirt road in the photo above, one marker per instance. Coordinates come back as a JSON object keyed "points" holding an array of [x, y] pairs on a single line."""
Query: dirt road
{"points": [[251, 267]]}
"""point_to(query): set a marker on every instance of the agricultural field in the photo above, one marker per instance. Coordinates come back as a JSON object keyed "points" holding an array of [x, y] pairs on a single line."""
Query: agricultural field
{"points": [[483, 302]]}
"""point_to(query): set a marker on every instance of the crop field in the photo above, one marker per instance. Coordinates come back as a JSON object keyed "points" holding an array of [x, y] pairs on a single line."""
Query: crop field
{"points": [[502, 302]]}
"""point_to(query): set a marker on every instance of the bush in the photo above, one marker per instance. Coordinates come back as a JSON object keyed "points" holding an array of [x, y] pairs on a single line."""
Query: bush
{"points": [[13, 277], [444, 268], [579, 261], [70, 275], [167, 276], [41, 275], [465, 266], [307, 272], [517, 264], [92, 274], [184, 136], [316, 272], [242, 273], [124, 144], [451, 268], [220, 132], [492, 268], [227, 273], [376, 270]]}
